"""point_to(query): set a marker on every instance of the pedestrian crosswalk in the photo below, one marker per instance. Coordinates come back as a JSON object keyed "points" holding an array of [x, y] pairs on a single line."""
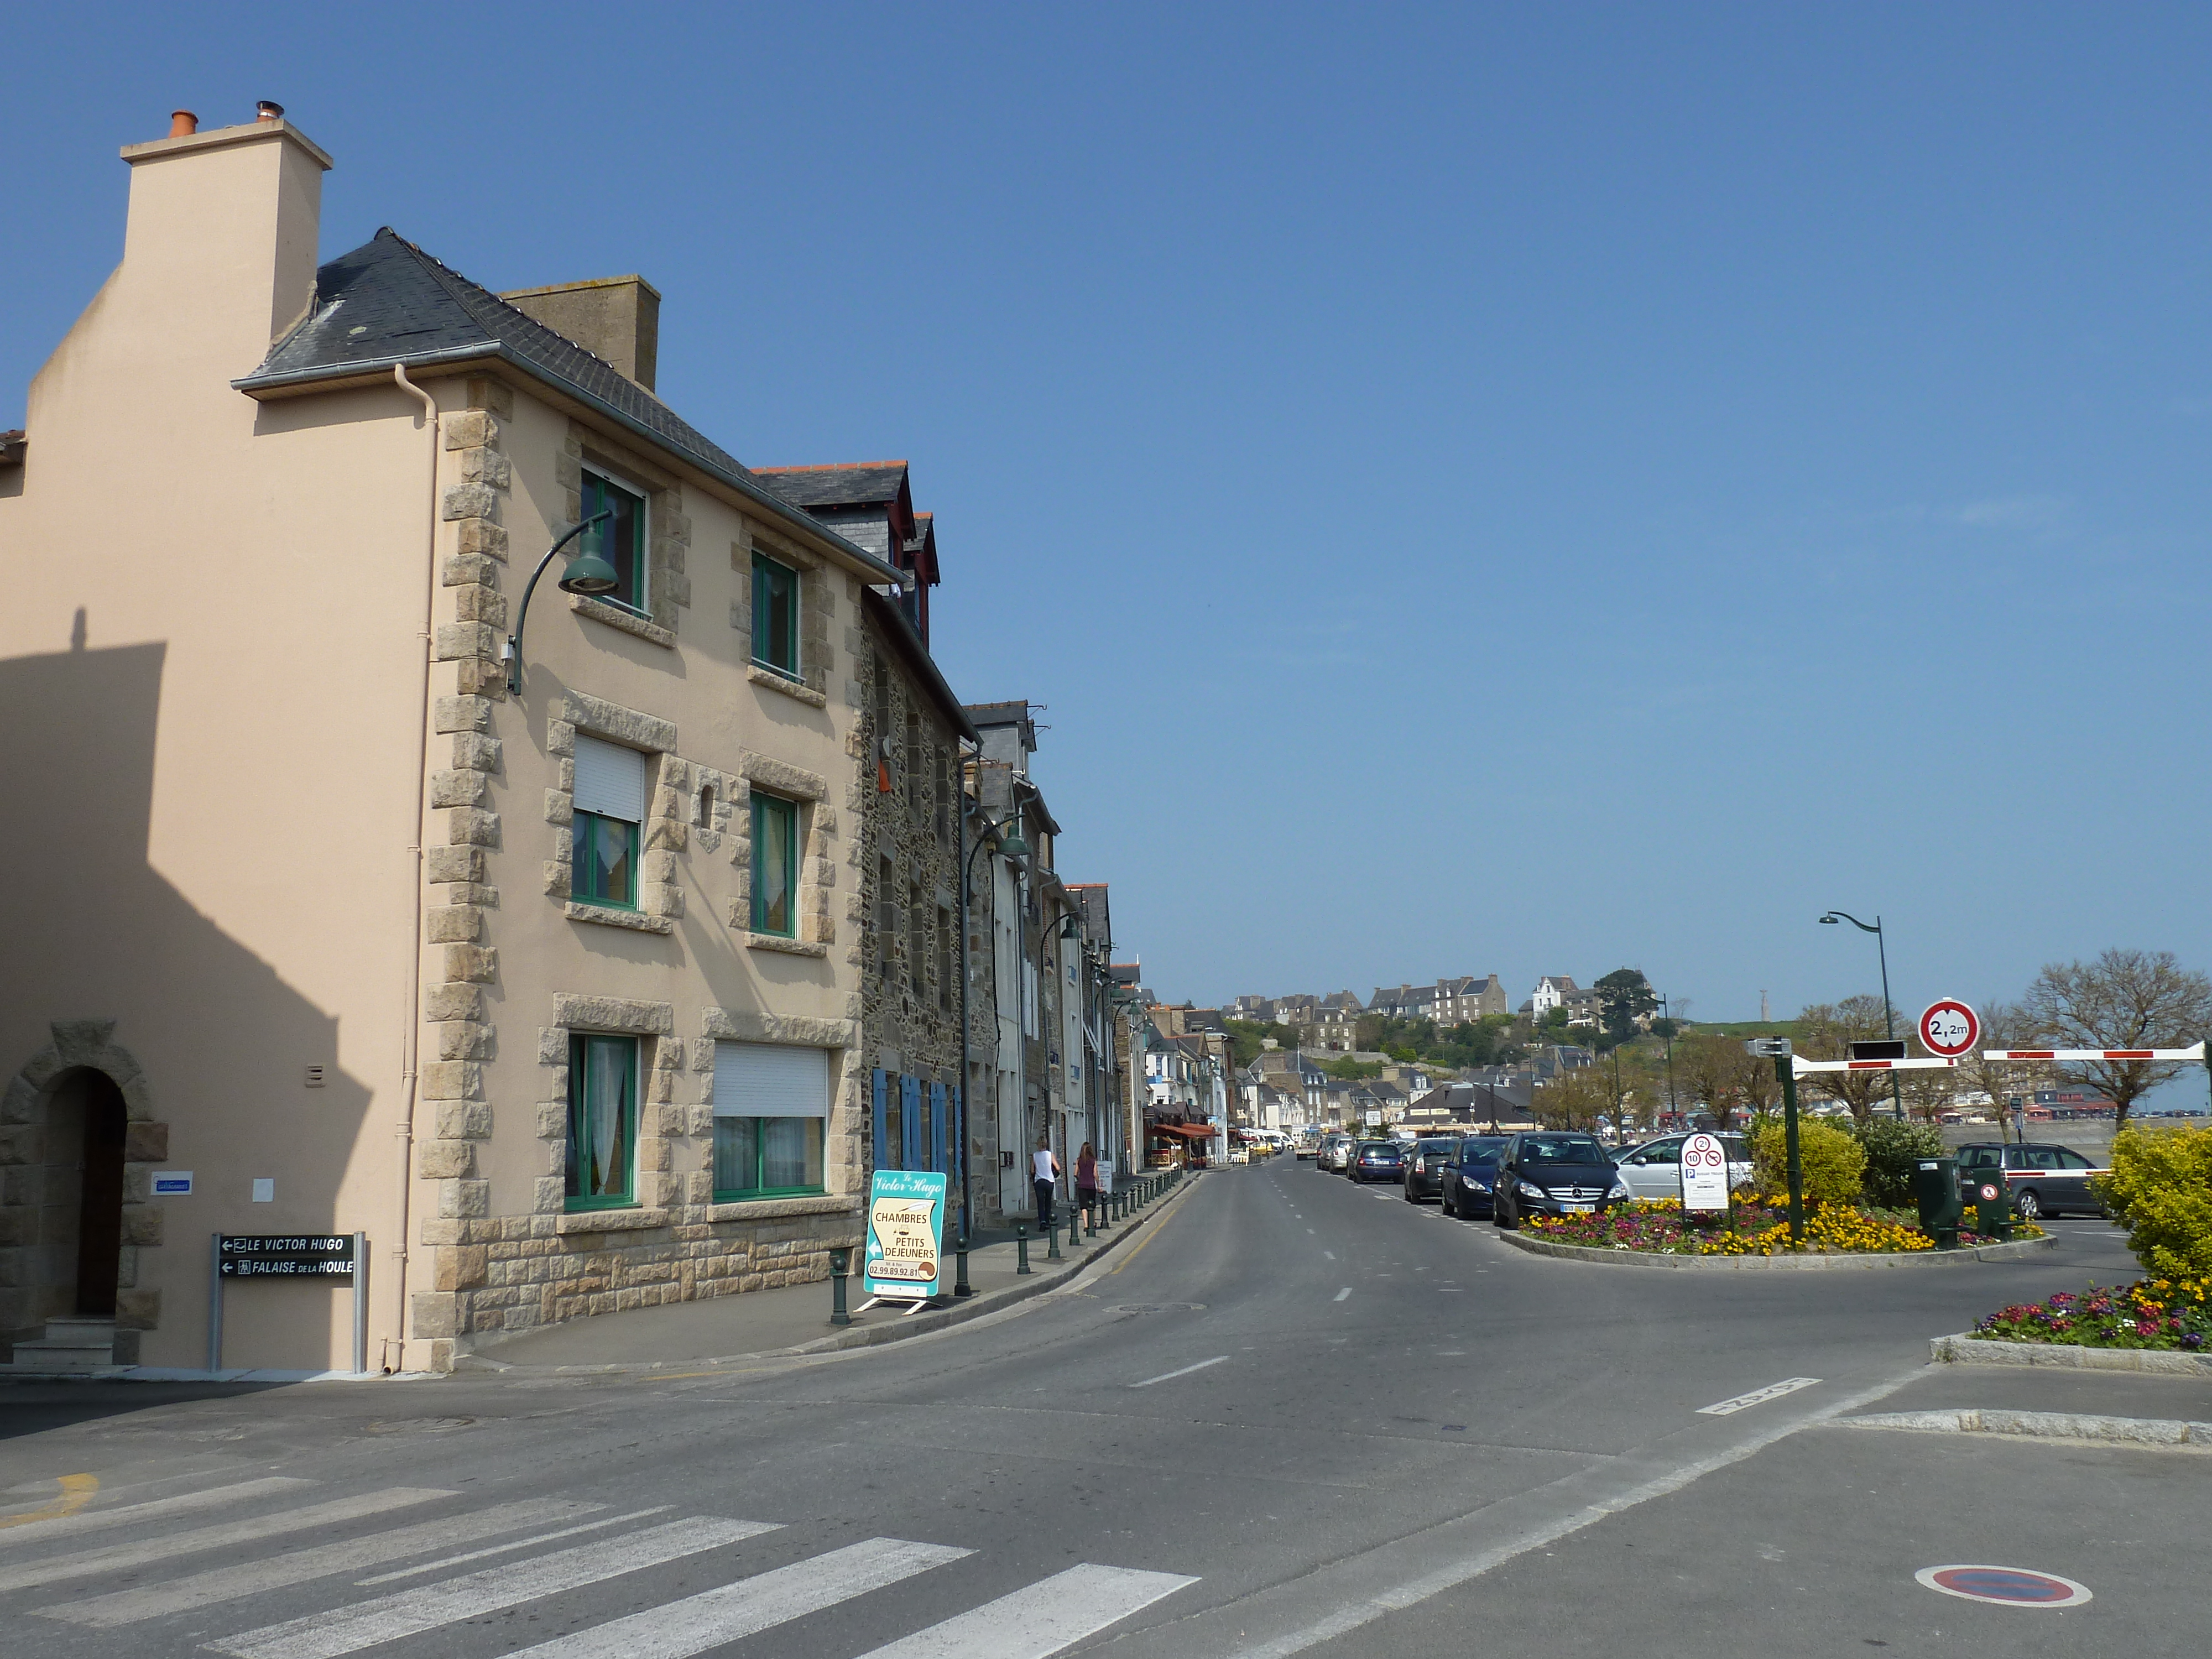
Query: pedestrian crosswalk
{"points": [[378, 1566]]}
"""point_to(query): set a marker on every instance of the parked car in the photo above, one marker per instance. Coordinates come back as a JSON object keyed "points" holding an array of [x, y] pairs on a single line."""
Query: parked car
{"points": [[1334, 1150], [1550, 1172], [2045, 1180], [1424, 1167], [1655, 1168], [1469, 1177], [1378, 1160]]}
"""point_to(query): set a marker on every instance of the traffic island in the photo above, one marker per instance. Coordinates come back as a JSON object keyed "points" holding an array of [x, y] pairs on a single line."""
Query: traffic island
{"points": [[2162, 1325], [1968, 1349], [1808, 1261]]}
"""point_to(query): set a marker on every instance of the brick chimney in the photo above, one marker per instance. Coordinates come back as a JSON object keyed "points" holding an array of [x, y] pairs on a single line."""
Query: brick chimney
{"points": [[615, 318], [227, 220]]}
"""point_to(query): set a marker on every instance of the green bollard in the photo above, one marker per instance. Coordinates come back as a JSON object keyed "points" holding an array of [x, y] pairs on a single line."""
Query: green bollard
{"points": [[1075, 1226], [1090, 1219], [960, 1285], [841, 1263], [1021, 1247], [1052, 1242]]}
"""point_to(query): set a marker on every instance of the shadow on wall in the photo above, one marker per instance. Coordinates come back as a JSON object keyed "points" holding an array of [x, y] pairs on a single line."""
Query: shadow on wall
{"points": [[205, 1037]]}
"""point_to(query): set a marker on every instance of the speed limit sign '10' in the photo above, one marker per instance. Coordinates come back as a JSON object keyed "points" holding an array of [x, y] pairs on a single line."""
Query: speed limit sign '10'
{"points": [[1950, 1029]]}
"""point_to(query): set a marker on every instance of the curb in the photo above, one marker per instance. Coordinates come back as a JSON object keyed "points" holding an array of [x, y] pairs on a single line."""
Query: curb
{"points": [[866, 1336], [2082, 1427], [2012, 1252], [1967, 1349]]}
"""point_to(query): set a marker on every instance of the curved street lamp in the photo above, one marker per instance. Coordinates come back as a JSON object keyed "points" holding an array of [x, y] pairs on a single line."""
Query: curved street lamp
{"points": [[1007, 836], [588, 574], [1888, 1026]]}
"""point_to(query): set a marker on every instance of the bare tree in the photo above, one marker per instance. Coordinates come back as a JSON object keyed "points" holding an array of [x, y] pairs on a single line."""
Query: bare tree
{"points": [[1826, 1031], [2004, 1026], [2123, 999], [1711, 1069]]}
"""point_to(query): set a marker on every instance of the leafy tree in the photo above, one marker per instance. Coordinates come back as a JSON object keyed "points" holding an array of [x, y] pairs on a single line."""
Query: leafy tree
{"points": [[2123, 999], [1572, 1100], [1246, 1038], [1352, 1071], [1893, 1151], [1624, 997], [1826, 1031], [1713, 1071]]}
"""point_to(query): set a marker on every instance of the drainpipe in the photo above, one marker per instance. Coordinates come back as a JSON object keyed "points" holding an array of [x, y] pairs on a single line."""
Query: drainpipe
{"points": [[411, 1025]]}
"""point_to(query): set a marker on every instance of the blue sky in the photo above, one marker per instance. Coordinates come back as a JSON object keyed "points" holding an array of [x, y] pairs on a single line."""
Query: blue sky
{"points": [[1519, 488]]}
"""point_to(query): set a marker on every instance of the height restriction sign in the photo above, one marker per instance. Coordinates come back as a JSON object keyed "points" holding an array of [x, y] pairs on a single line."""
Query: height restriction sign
{"points": [[1950, 1029]]}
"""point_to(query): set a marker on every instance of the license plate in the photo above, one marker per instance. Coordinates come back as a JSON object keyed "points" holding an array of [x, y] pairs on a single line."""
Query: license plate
{"points": [[1578, 1209]]}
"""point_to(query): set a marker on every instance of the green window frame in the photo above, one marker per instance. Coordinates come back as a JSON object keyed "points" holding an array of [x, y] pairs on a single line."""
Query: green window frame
{"points": [[602, 1155], [768, 1157], [775, 615], [775, 866], [603, 866], [622, 540]]}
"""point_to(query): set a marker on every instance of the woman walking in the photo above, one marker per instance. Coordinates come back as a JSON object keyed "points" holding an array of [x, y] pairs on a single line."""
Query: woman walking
{"points": [[1086, 1183], [1044, 1172]]}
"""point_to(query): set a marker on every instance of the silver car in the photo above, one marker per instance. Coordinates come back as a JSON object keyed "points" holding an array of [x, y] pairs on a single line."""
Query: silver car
{"points": [[1655, 1168]]}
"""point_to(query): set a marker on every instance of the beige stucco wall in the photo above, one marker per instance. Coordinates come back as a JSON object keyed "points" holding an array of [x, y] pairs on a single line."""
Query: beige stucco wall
{"points": [[218, 791], [213, 663]]}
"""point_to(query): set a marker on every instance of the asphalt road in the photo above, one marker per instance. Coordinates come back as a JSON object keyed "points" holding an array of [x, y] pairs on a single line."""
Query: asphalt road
{"points": [[1302, 1416]]}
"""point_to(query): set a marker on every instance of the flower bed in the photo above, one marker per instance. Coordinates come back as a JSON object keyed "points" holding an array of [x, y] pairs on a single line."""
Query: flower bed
{"points": [[2171, 1314], [1762, 1228]]}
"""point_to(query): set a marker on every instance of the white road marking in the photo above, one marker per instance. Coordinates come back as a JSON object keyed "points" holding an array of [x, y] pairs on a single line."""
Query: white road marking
{"points": [[1309, 1230], [519, 1544], [214, 1498], [200, 1589], [1165, 1377], [1040, 1618], [677, 1630], [1331, 1255], [85, 1563], [1757, 1396], [1343, 1293], [408, 1612]]}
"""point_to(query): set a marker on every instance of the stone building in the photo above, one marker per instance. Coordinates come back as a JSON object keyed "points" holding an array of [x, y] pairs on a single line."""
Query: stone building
{"points": [[542, 974]]}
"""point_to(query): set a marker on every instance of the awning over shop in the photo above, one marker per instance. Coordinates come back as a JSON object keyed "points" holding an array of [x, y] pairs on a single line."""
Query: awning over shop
{"points": [[1189, 1131]]}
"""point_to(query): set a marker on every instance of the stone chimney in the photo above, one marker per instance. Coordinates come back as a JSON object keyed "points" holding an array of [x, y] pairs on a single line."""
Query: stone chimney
{"points": [[617, 318], [226, 223]]}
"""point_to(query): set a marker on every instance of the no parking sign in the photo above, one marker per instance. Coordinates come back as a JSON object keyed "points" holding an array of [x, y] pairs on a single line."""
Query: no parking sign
{"points": [[1705, 1173]]}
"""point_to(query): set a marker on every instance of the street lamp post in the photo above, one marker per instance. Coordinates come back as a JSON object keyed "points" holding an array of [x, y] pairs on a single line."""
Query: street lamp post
{"points": [[1667, 1014], [588, 574], [1888, 1026], [1014, 848]]}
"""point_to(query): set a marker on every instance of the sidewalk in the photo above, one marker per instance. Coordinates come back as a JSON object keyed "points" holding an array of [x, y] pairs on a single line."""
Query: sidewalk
{"points": [[795, 1320]]}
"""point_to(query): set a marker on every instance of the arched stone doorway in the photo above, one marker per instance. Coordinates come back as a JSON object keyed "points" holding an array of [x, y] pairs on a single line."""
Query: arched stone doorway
{"points": [[80, 1224], [76, 1124]]}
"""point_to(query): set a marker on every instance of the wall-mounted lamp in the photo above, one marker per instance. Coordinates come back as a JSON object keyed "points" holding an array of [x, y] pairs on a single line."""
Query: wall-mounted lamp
{"points": [[588, 574]]}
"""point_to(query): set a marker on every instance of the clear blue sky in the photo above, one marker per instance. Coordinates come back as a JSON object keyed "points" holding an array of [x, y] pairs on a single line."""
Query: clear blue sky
{"points": [[1520, 489]]}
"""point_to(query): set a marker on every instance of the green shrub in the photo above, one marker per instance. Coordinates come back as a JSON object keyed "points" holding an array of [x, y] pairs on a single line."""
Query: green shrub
{"points": [[1893, 1151], [1833, 1162], [2161, 1190]]}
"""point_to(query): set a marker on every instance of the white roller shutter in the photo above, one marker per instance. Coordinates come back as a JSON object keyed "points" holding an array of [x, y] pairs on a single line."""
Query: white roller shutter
{"points": [[609, 779], [770, 1079]]}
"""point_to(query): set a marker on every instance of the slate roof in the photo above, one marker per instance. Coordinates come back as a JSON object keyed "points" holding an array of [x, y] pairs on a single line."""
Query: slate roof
{"points": [[855, 484], [387, 302]]}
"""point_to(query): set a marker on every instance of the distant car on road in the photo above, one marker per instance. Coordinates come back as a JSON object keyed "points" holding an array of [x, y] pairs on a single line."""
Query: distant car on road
{"points": [[1424, 1167], [1378, 1160], [1655, 1168], [1335, 1152], [1468, 1177], [2045, 1180], [1550, 1172]]}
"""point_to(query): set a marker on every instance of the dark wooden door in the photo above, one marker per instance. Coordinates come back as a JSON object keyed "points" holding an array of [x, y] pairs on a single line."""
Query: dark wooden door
{"points": [[100, 1209]]}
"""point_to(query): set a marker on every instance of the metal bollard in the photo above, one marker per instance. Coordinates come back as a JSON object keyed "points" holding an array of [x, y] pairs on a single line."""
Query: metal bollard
{"points": [[1105, 1214], [1074, 1225], [960, 1285], [1052, 1242], [841, 1263], [1021, 1247]]}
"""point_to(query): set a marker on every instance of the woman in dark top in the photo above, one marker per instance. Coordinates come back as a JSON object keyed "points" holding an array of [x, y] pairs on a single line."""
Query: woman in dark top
{"points": [[1086, 1181]]}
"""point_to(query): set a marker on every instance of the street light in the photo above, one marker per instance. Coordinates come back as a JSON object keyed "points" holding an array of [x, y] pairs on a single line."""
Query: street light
{"points": [[588, 574], [1888, 1026], [1667, 1014]]}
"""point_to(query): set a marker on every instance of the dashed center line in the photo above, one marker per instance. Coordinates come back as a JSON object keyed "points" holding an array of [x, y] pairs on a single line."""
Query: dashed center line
{"points": [[1165, 1377], [1343, 1293]]}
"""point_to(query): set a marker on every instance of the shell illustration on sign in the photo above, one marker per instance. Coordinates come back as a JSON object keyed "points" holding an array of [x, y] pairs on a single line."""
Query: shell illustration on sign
{"points": [[903, 1254]]}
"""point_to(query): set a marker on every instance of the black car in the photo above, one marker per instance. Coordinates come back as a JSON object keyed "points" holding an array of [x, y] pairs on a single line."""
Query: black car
{"points": [[1469, 1176], [1424, 1167], [1552, 1172], [1377, 1160], [2045, 1180]]}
